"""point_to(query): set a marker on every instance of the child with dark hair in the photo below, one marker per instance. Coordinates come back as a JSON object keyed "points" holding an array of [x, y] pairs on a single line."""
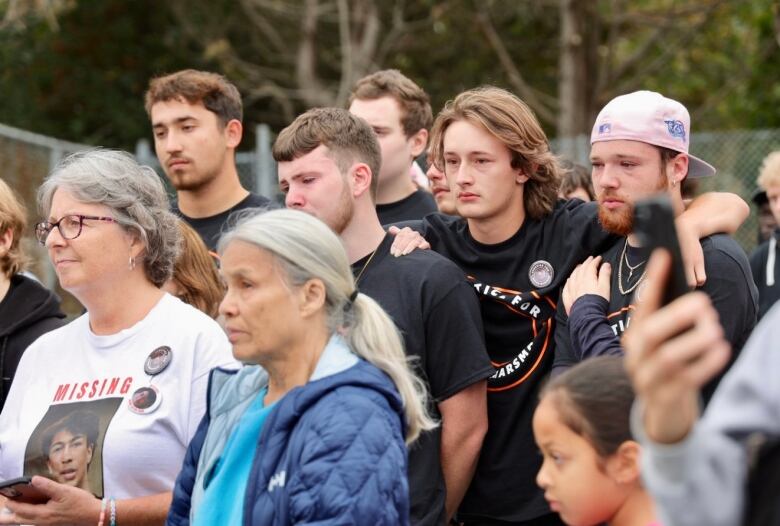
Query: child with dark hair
{"points": [[590, 473]]}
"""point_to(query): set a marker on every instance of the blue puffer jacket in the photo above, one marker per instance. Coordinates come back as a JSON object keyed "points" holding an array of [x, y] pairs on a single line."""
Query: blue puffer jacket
{"points": [[330, 452]]}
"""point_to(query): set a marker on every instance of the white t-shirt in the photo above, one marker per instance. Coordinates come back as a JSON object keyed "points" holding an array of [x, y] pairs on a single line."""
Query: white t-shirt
{"points": [[73, 383]]}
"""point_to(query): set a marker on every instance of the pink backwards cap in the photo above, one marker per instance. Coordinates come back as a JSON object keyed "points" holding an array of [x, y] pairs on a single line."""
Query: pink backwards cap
{"points": [[647, 116]]}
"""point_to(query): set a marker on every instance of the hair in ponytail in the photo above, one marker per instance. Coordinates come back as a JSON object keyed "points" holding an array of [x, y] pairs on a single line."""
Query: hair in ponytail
{"points": [[373, 335], [305, 249]]}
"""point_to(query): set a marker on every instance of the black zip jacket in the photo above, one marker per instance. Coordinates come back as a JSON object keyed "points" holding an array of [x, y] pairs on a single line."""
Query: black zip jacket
{"points": [[27, 311]]}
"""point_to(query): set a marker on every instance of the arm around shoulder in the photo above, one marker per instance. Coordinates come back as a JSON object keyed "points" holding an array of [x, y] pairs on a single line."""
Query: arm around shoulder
{"points": [[716, 212]]}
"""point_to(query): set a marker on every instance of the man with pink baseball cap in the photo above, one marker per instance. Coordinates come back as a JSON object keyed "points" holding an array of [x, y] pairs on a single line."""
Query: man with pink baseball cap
{"points": [[649, 117], [639, 147]]}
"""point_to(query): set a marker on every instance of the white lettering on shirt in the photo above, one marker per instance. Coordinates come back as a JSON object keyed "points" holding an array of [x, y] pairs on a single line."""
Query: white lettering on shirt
{"points": [[277, 480], [514, 365]]}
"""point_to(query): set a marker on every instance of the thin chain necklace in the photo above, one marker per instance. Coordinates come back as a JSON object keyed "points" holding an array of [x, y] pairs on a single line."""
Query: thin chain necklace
{"points": [[365, 266], [624, 257]]}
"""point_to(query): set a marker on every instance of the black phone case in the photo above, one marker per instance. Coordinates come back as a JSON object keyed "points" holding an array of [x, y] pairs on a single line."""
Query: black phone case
{"points": [[22, 490], [654, 226]]}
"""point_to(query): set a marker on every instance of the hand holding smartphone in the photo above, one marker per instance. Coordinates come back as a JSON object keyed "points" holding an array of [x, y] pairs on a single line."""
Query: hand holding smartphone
{"points": [[21, 490]]}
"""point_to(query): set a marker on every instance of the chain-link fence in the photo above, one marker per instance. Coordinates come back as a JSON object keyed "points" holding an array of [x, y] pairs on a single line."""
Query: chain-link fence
{"points": [[737, 155], [25, 159]]}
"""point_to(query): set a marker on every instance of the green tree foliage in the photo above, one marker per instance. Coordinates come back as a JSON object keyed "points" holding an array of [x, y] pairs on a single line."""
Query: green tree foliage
{"points": [[717, 56], [84, 79]]}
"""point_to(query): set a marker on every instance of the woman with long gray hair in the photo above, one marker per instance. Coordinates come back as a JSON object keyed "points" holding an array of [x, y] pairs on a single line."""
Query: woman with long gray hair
{"points": [[138, 358], [327, 401]]}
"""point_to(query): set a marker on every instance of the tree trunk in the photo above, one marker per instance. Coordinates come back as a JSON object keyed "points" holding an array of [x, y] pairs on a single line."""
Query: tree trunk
{"points": [[573, 117]]}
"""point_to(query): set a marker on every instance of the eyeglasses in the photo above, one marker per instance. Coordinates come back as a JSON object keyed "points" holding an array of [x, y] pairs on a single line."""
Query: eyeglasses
{"points": [[69, 226]]}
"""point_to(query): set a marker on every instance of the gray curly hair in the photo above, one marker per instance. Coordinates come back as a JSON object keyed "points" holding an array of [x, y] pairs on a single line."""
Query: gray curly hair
{"points": [[134, 193]]}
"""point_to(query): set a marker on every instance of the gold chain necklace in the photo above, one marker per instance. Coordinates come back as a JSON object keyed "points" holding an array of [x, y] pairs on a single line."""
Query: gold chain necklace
{"points": [[365, 266], [631, 270]]}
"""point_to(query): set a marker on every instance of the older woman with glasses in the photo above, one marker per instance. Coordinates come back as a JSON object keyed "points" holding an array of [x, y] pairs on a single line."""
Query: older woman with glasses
{"points": [[138, 359]]}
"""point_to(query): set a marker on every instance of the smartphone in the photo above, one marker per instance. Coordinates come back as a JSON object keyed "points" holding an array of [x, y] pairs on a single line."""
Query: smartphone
{"points": [[654, 228], [22, 490]]}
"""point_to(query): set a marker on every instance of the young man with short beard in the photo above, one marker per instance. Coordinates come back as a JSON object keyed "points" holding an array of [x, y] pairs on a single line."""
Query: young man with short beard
{"points": [[196, 120], [640, 148], [327, 160], [516, 243]]}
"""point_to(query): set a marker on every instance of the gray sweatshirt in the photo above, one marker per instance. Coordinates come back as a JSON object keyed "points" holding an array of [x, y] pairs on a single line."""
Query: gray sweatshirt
{"points": [[702, 479]]}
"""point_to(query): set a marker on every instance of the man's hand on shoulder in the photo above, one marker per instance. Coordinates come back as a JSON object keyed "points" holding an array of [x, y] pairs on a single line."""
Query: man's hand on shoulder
{"points": [[589, 277], [406, 241]]}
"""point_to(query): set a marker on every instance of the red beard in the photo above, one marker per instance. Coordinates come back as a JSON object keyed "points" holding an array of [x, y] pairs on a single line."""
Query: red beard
{"points": [[618, 222], [621, 222]]}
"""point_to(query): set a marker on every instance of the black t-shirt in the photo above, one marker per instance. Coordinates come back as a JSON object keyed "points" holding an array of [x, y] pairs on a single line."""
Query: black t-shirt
{"points": [[415, 206], [518, 283], [768, 293], [596, 326], [433, 307], [211, 228]]}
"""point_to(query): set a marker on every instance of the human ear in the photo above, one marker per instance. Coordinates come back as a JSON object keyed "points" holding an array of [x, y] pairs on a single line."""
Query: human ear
{"points": [[521, 177], [419, 142], [361, 177], [137, 247], [623, 466], [522, 171], [234, 130], [677, 169], [311, 297]]}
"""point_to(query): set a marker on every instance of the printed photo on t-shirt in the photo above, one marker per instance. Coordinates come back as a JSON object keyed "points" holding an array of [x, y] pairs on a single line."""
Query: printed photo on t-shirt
{"points": [[67, 444]]}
